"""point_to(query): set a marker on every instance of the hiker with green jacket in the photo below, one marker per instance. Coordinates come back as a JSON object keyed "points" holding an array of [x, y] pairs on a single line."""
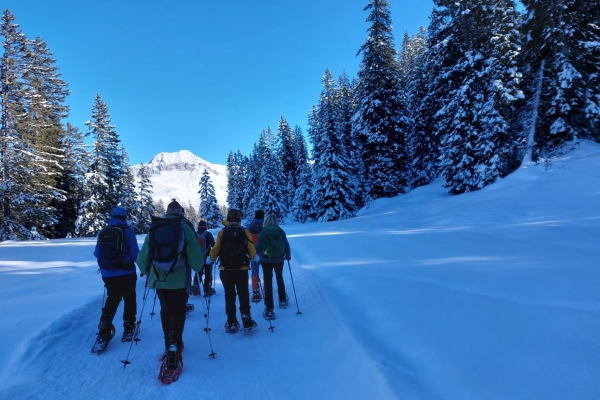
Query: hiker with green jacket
{"points": [[170, 284]]}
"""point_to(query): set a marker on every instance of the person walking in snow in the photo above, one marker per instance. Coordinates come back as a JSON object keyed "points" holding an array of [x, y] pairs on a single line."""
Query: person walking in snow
{"points": [[116, 251], [254, 228], [171, 284], [235, 249], [209, 241], [273, 248]]}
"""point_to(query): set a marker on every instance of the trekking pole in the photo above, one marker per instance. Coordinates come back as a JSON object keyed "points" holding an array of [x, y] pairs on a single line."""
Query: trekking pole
{"points": [[136, 339], [299, 312], [206, 306], [152, 313], [271, 327]]}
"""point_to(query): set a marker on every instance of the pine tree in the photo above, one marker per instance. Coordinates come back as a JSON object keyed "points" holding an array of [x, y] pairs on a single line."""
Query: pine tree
{"points": [[17, 198], [145, 208], [209, 207], [301, 208], [270, 196], [126, 191], [159, 208], [287, 159], [475, 143], [380, 119], [73, 166], [562, 56]]}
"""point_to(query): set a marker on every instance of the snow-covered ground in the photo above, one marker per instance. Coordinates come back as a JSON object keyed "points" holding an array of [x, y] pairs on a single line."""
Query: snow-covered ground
{"points": [[487, 295]]}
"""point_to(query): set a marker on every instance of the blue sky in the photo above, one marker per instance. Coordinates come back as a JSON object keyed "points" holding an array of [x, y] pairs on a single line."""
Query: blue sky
{"points": [[206, 76]]}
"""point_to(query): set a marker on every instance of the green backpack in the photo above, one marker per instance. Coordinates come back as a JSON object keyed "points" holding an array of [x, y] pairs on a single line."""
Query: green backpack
{"points": [[272, 242]]}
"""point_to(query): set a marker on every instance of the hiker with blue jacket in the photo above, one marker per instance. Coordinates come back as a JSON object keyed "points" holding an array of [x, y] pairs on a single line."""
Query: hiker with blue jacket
{"points": [[254, 228], [118, 273], [171, 282], [273, 248]]}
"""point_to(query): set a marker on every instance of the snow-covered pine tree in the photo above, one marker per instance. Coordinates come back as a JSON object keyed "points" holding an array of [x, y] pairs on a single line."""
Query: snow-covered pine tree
{"points": [[475, 121], [144, 206], [101, 190], [159, 208], [287, 159], [380, 118], [301, 208], [562, 53], [209, 207], [331, 179], [17, 156], [126, 191], [74, 166], [45, 106], [270, 196], [251, 166], [191, 213]]}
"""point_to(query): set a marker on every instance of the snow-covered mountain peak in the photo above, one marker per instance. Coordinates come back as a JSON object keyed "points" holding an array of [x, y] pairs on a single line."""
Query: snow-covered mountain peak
{"points": [[177, 175]]}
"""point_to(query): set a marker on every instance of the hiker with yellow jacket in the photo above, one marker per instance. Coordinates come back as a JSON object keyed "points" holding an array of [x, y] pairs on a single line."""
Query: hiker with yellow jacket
{"points": [[235, 249]]}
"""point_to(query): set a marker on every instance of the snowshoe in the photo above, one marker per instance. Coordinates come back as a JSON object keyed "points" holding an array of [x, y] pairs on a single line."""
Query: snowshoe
{"points": [[269, 315], [256, 296], [248, 323], [232, 327], [171, 366], [284, 303], [103, 339], [129, 331]]}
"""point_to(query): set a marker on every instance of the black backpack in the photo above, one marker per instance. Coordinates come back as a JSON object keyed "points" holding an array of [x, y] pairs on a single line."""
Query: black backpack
{"points": [[111, 246], [166, 243], [234, 247]]}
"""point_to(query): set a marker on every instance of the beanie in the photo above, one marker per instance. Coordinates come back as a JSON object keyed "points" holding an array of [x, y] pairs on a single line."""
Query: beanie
{"points": [[260, 214], [119, 211], [174, 208]]}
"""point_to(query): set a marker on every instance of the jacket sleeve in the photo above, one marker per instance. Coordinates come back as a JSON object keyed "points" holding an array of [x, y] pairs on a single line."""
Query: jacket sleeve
{"points": [[210, 240], [143, 259], [259, 245], [214, 252], [288, 251], [134, 249], [193, 252], [250, 245]]}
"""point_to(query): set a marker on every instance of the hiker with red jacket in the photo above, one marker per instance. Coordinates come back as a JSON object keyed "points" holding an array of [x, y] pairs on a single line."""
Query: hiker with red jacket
{"points": [[119, 276], [273, 248], [254, 228], [235, 249]]}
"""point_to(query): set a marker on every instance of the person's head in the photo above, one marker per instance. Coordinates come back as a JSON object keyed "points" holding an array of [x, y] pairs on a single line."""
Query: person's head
{"points": [[119, 213], [174, 208], [202, 226], [233, 215], [271, 220], [259, 214]]}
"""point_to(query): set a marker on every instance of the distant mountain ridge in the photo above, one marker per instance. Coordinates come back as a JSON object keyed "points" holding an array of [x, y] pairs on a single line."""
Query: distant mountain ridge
{"points": [[177, 175]]}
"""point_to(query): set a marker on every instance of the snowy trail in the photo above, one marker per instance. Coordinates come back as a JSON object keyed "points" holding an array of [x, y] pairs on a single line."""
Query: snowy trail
{"points": [[251, 365]]}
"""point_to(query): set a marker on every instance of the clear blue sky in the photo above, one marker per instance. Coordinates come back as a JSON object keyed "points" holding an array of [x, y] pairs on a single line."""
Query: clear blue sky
{"points": [[206, 76]]}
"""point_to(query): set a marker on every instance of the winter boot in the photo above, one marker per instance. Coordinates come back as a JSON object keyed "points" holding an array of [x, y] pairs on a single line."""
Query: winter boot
{"points": [[106, 330], [269, 314], [247, 322], [232, 327], [172, 361], [285, 302], [128, 331], [256, 296]]}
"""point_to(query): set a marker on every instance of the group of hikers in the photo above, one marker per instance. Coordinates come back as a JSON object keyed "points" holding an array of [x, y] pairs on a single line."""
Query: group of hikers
{"points": [[171, 251]]}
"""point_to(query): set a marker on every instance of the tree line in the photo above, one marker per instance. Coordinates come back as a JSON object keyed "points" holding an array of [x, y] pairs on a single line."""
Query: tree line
{"points": [[484, 89]]}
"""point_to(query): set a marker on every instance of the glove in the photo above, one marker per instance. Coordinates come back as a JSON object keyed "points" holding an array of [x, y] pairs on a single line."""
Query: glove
{"points": [[256, 259], [208, 260]]}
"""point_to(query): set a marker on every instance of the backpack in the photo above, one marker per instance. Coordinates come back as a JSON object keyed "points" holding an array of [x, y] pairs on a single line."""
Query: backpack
{"points": [[202, 241], [166, 243], [272, 242], [111, 247], [233, 252], [255, 229]]}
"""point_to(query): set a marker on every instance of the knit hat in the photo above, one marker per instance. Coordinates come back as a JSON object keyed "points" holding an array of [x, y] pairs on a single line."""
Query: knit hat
{"points": [[174, 208], [202, 226], [119, 211], [259, 214]]}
